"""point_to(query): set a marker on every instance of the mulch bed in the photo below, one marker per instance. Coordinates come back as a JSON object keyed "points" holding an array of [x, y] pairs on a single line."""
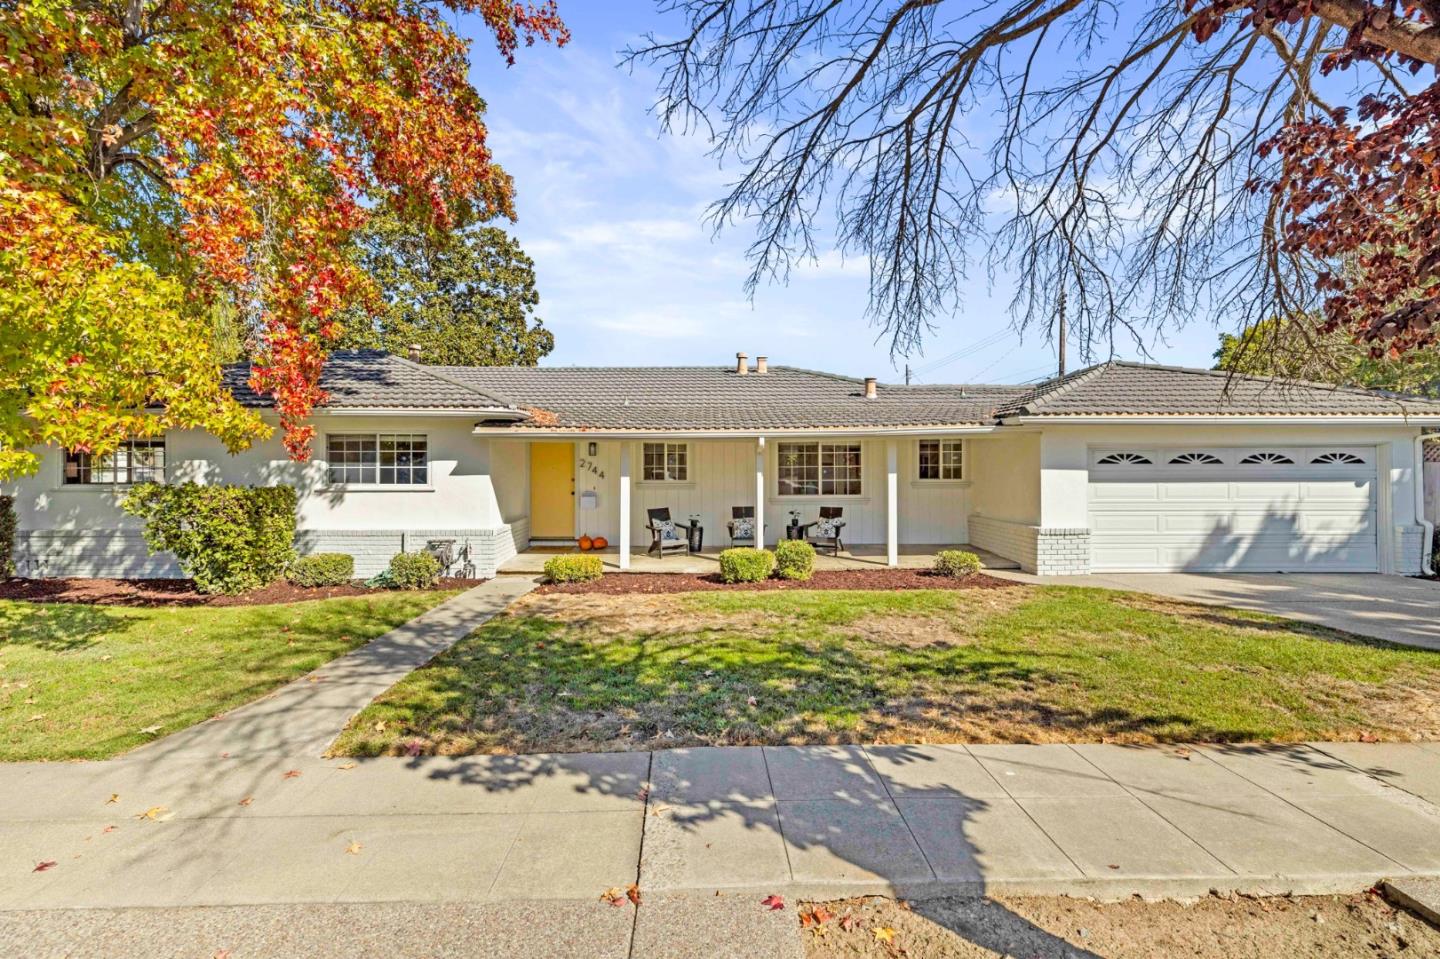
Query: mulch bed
{"points": [[878, 579], [179, 592]]}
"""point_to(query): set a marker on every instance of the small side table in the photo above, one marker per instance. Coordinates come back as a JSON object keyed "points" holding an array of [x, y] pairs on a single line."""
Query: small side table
{"points": [[696, 537], [794, 531]]}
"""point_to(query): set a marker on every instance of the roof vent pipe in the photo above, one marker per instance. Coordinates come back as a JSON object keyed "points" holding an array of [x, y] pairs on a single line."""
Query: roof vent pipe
{"points": [[741, 365], [413, 351], [762, 364], [869, 387]]}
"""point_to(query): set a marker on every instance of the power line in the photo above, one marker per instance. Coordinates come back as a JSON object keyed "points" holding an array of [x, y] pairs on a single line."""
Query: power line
{"points": [[970, 350]]}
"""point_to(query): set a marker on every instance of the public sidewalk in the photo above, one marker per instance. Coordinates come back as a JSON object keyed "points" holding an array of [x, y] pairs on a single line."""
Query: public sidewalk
{"points": [[519, 831]]}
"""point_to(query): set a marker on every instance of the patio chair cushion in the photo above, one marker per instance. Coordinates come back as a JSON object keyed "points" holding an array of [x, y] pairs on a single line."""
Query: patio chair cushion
{"points": [[666, 529], [742, 527], [826, 528]]}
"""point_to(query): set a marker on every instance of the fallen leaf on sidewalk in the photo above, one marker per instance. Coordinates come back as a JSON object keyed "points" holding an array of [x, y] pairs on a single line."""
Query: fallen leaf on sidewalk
{"points": [[632, 892], [346, 766], [108, 829], [883, 934], [291, 774], [114, 798], [247, 800], [221, 954], [847, 922], [43, 866], [773, 902], [354, 848], [613, 896], [156, 814]]}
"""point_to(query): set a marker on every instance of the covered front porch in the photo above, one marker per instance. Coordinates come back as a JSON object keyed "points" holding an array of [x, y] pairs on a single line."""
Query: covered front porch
{"points": [[532, 560], [901, 498]]}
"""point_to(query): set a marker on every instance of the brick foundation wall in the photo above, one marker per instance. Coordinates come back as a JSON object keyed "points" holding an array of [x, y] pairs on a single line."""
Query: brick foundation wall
{"points": [[1047, 552], [1011, 540]]}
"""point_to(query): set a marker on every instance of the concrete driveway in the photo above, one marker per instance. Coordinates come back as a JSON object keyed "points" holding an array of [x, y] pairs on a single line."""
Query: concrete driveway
{"points": [[1398, 608]]}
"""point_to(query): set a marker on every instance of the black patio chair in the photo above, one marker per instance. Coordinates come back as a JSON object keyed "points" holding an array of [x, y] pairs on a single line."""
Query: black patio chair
{"points": [[666, 535], [825, 532], [741, 525]]}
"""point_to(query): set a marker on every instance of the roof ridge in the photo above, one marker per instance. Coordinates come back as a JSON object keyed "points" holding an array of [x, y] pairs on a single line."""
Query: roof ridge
{"points": [[1055, 386], [1273, 378], [430, 371]]}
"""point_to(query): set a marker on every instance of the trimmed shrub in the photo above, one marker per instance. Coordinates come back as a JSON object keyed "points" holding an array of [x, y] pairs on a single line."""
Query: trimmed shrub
{"points": [[573, 569], [794, 559], [413, 571], [956, 563], [323, 569], [8, 524], [229, 539], [746, 564]]}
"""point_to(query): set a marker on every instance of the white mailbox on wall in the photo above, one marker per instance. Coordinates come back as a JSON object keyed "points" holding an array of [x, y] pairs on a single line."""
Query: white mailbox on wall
{"points": [[589, 499]]}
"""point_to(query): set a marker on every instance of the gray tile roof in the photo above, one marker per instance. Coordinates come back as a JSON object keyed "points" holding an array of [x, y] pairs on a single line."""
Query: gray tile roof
{"points": [[701, 398], [374, 379], [1120, 388], [716, 398]]}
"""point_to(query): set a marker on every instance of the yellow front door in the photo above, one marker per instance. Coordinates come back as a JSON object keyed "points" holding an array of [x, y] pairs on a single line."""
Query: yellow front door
{"points": [[552, 490]]}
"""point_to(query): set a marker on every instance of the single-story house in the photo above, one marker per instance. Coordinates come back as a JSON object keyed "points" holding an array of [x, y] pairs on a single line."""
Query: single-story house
{"points": [[1120, 466]]}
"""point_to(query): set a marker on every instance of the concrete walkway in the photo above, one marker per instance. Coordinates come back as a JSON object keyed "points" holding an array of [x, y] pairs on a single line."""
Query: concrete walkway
{"points": [[1400, 609], [504, 835], [304, 717]]}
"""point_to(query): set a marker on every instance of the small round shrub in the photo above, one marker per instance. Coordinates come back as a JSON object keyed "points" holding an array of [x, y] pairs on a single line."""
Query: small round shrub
{"points": [[956, 563], [573, 569], [745, 564], [323, 569], [413, 571], [794, 559]]}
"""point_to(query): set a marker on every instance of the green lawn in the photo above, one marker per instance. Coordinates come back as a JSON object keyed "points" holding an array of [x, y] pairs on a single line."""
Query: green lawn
{"points": [[87, 682], [1056, 664]]}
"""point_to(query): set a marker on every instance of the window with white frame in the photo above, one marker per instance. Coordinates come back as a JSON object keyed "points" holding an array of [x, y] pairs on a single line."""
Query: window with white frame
{"points": [[378, 459], [135, 461], [665, 463], [818, 469], [941, 460]]}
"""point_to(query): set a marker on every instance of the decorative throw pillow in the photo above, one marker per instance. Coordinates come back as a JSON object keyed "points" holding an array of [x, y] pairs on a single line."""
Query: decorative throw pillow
{"points": [[666, 528], [743, 528], [825, 529]]}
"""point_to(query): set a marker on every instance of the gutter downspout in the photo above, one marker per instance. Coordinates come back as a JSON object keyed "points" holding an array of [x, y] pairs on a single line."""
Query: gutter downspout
{"points": [[1428, 542]]}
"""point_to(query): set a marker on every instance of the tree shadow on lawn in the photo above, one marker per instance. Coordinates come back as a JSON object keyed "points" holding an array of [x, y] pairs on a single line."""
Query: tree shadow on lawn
{"points": [[530, 685], [59, 628]]}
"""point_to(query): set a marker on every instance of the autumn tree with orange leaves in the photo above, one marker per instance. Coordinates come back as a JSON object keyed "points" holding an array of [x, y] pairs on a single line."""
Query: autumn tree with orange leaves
{"points": [[1143, 161], [158, 157]]}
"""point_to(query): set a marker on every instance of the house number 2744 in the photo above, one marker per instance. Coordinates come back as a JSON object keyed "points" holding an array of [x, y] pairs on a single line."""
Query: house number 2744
{"points": [[589, 466]]}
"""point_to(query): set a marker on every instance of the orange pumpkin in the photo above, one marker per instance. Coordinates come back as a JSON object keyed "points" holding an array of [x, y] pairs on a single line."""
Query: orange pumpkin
{"points": [[585, 543], [599, 542]]}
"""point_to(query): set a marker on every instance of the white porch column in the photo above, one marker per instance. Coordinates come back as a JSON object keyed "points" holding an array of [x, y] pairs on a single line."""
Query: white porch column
{"points": [[624, 504], [760, 492], [892, 503]]}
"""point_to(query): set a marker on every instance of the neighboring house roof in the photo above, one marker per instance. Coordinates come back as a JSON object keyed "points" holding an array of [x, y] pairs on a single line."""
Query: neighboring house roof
{"points": [[713, 398], [1120, 388], [716, 398], [374, 379]]}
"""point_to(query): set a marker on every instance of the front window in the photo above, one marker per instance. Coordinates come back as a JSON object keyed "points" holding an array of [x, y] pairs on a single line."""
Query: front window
{"points": [[383, 459], [666, 463], [942, 460], [818, 469], [135, 461]]}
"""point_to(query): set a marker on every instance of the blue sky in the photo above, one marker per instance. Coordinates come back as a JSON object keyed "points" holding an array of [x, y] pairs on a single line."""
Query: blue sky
{"points": [[612, 211]]}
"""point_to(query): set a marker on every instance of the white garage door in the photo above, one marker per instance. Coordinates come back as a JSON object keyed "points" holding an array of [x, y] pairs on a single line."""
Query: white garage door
{"points": [[1268, 509]]}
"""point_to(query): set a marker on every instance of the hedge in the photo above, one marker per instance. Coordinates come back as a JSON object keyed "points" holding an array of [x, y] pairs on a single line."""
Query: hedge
{"points": [[229, 539], [956, 563], [323, 569], [745, 564], [573, 569], [794, 559], [413, 571], [7, 536]]}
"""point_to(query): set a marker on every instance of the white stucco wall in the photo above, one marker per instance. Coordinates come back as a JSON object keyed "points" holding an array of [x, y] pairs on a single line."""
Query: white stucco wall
{"points": [[81, 530]]}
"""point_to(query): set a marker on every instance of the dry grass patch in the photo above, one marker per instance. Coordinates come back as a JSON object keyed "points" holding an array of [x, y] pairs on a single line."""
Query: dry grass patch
{"points": [[1051, 664]]}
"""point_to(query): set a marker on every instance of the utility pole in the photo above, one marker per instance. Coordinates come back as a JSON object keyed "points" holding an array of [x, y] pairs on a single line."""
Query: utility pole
{"points": [[907, 374], [1063, 332]]}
